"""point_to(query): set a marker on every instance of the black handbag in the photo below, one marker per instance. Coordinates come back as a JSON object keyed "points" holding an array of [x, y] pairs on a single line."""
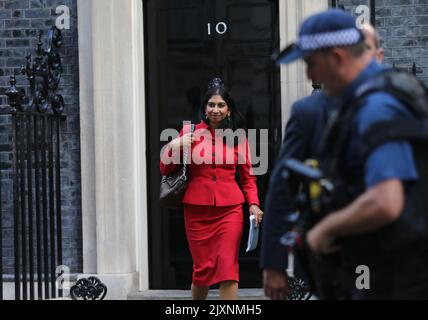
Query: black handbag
{"points": [[173, 186]]}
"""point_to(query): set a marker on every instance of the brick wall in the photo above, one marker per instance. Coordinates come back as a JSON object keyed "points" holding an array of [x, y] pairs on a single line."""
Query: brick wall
{"points": [[20, 21], [403, 28]]}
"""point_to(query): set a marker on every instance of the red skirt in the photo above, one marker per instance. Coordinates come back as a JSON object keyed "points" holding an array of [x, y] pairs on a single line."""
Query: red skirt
{"points": [[214, 235]]}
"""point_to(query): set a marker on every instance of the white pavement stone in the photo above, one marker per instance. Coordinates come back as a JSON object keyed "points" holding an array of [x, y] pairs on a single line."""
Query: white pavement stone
{"points": [[243, 294]]}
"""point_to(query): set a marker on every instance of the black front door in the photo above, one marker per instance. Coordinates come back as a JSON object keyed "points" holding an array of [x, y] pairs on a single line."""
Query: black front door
{"points": [[189, 42]]}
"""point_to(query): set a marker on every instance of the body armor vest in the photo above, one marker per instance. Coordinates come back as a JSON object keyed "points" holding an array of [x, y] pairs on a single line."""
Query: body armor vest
{"points": [[410, 230]]}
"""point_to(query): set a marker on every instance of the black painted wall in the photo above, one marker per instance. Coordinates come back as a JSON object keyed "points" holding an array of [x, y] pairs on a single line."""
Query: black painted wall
{"points": [[403, 29], [20, 21]]}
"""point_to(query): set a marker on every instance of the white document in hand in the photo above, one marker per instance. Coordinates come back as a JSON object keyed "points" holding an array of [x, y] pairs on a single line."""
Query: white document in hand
{"points": [[253, 234]]}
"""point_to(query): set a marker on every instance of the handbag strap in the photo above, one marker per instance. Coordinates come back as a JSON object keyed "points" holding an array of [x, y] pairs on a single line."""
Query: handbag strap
{"points": [[186, 151]]}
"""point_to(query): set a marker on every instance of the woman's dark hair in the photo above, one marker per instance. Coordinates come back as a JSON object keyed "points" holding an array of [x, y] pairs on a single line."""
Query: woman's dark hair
{"points": [[217, 87]]}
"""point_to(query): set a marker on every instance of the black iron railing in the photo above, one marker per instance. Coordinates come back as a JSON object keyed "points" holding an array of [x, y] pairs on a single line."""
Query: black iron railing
{"points": [[36, 175]]}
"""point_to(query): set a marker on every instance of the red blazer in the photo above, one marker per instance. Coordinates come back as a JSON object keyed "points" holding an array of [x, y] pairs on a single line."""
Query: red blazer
{"points": [[212, 175]]}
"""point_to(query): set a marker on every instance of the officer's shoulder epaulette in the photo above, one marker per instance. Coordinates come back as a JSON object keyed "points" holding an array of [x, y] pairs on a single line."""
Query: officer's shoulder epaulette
{"points": [[403, 86], [412, 93]]}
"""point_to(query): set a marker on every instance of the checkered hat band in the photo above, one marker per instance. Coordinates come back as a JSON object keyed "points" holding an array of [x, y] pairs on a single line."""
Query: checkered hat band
{"points": [[329, 39]]}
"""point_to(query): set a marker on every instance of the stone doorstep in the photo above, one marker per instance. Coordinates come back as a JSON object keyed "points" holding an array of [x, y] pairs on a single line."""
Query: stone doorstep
{"points": [[243, 294]]}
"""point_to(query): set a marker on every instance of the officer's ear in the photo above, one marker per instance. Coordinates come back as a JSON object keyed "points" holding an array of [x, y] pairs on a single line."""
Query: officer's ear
{"points": [[380, 55], [337, 56]]}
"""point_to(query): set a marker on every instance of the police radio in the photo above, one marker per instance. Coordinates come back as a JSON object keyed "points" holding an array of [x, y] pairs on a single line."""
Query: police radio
{"points": [[312, 201]]}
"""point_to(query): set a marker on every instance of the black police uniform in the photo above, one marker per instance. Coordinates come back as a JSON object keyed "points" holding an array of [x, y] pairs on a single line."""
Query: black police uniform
{"points": [[302, 140], [397, 254]]}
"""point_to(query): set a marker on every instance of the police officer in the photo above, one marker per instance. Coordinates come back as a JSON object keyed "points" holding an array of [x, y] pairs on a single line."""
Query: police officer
{"points": [[302, 138], [306, 124], [366, 230], [373, 42]]}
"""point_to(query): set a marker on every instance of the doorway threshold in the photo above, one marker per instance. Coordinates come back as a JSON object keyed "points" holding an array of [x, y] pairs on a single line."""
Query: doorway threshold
{"points": [[243, 294]]}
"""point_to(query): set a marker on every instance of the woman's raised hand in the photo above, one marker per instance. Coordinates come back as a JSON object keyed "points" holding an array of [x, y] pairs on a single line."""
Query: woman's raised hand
{"points": [[184, 141], [187, 140]]}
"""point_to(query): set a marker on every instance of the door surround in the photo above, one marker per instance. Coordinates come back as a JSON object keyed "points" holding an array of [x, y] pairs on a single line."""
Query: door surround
{"points": [[113, 144], [294, 83]]}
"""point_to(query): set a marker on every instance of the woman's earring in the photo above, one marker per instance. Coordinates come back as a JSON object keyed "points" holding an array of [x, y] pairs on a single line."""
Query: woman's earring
{"points": [[228, 117]]}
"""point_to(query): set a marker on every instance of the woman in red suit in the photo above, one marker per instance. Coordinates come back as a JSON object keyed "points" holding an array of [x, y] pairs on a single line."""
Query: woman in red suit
{"points": [[213, 200]]}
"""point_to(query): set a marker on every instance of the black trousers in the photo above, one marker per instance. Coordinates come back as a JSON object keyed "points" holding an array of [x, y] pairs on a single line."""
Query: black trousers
{"points": [[322, 274], [401, 276]]}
